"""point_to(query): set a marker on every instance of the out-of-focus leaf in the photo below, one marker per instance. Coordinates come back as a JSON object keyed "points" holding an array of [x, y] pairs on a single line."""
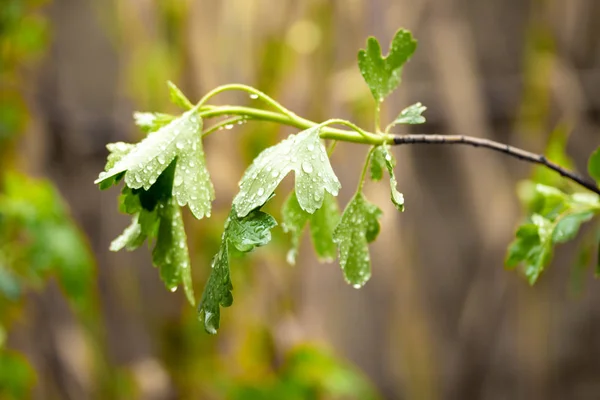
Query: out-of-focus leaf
{"points": [[16, 376], [302, 153], [322, 223], [594, 165], [411, 115], [382, 74], [151, 121], [178, 98]]}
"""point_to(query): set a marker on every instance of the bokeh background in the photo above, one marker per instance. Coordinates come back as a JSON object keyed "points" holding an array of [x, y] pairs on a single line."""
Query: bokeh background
{"points": [[440, 317]]}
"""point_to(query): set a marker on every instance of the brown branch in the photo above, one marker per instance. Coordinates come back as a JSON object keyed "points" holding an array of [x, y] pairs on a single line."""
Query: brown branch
{"points": [[500, 147]]}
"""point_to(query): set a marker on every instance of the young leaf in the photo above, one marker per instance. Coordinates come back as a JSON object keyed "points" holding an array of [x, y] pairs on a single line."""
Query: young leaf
{"points": [[382, 157], [411, 115], [147, 160], [358, 227], [150, 122], [244, 234], [594, 165], [306, 156], [382, 74], [322, 223], [567, 227], [178, 98]]}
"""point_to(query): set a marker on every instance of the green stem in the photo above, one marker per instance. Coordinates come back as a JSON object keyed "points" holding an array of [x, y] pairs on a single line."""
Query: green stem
{"points": [[222, 124], [248, 89], [363, 174], [358, 136]]}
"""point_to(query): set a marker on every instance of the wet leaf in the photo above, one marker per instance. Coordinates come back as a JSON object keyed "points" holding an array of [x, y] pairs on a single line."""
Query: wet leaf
{"points": [[144, 163], [382, 74], [245, 234], [383, 157], [302, 153], [322, 223], [150, 122], [411, 115], [358, 227]]}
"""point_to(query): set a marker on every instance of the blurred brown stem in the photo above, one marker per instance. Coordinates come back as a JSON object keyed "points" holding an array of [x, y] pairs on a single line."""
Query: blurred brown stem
{"points": [[496, 146]]}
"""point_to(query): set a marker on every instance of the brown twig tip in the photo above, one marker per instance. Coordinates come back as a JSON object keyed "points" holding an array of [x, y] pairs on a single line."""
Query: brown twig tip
{"points": [[499, 147]]}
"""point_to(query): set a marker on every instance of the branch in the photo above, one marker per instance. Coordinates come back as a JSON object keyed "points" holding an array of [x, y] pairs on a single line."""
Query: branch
{"points": [[500, 147]]}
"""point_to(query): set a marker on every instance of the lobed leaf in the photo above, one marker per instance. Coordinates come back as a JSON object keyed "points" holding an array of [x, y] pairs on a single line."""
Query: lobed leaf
{"points": [[143, 163], [381, 158], [358, 227], [322, 223], [302, 153], [382, 74], [245, 234]]}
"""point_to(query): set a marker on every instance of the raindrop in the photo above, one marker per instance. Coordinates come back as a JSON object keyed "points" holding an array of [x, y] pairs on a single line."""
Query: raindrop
{"points": [[310, 147], [388, 157], [161, 160], [173, 289], [229, 126], [180, 145], [254, 96], [306, 167], [275, 174], [356, 286], [260, 192]]}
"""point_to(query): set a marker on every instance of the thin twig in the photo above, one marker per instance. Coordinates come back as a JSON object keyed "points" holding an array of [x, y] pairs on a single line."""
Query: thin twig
{"points": [[500, 147]]}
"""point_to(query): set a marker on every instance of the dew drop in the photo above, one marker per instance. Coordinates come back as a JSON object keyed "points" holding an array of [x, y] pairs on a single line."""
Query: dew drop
{"points": [[356, 286], [173, 289], [161, 160], [310, 147], [180, 145], [229, 126], [254, 96], [275, 174], [260, 192], [306, 167]]}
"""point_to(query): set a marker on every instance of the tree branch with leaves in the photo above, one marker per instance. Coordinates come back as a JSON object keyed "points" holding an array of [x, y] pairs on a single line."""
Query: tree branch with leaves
{"points": [[167, 170]]}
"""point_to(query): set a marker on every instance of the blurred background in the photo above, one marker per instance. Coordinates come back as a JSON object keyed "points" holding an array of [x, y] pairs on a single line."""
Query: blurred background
{"points": [[440, 317]]}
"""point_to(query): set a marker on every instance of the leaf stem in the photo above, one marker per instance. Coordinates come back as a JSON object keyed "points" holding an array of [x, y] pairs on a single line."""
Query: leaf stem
{"points": [[358, 135], [363, 174], [254, 93]]}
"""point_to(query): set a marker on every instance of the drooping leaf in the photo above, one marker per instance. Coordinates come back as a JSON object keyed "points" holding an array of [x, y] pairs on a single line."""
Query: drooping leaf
{"points": [[302, 153], [382, 74], [322, 223], [411, 115], [178, 98], [147, 160], [150, 122], [382, 157], [594, 165], [245, 234], [170, 254], [358, 227]]}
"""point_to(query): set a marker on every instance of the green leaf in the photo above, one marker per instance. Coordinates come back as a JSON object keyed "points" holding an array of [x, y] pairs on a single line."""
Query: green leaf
{"points": [[150, 122], [322, 223], [411, 115], [244, 234], [382, 157], [170, 254], [179, 140], [594, 165], [178, 98], [382, 74], [568, 226], [358, 227], [306, 156]]}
